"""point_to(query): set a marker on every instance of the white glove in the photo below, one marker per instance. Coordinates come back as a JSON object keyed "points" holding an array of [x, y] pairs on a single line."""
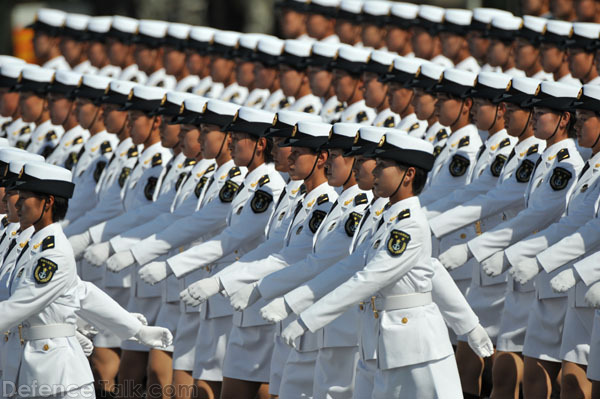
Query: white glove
{"points": [[480, 342], [564, 280], [495, 265], [153, 272], [292, 332], [201, 290], [98, 254], [593, 295], [245, 297], [141, 318], [88, 330], [80, 242], [525, 270], [120, 261], [85, 343], [455, 256], [185, 297], [154, 337], [275, 311]]}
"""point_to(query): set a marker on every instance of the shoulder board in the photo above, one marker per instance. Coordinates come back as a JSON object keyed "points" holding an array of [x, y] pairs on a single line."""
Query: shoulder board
{"points": [[339, 107], [414, 126], [533, 149], [563, 154], [105, 147], [78, 140], [25, 129], [505, 143], [189, 162], [361, 116], [132, 152], [283, 103], [302, 189], [48, 243], [310, 109], [51, 135], [405, 214], [389, 122], [441, 134], [263, 180], [361, 199], [465, 141], [322, 199], [157, 159], [4, 221], [210, 168], [235, 171]]}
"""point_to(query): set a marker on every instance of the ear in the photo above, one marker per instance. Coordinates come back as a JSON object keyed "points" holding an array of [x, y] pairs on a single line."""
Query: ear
{"points": [[468, 105], [409, 177], [323, 156], [157, 122], [501, 110], [49, 202]]}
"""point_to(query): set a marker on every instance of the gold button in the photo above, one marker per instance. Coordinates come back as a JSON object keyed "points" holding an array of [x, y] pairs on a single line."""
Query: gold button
{"points": [[46, 347], [404, 320], [463, 236], [360, 306], [5, 338]]}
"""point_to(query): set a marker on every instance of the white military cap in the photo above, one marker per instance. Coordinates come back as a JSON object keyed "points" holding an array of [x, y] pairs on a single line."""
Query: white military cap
{"points": [[15, 166], [585, 36], [151, 33], [521, 90], [490, 86], [123, 29], [49, 21], [373, 11], [92, 87], [200, 38], [75, 25], [406, 150], [351, 59], [10, 72], [284, 121], [225, 43], [308, 134], [117, 92], [557, 32], [323, 7], [99, 25], [190, 109], [429, 17], [403, 15], [64, 82], [172, 105], [588, 98], [403, 70], [380, 61], [11, 154], [457, 21], [456, 82], [349, 10], [43, 178], [34, 79], [555, 95], [504, 27], [295, 53], [247, 45], [268, 51], [533, 28], [255, 122], [323, 54], [177, 35], [366, 140], [342, 136], [8, 59], [145, 99], [218, 112], [482, 17], [428, 75]]}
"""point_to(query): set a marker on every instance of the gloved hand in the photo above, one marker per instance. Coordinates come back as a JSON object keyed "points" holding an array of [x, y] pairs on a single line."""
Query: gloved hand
{"points": [[88, 330], [496, 264], [154, 336], [275, 311], [141, 318], [292, 332], [245, 297], [201, 290], [564, 280], [80, 242], [525, 270], [593, 295], [120, 261], [185, 297], [98, 254], [153, 272], [455, 256], [480, 342], [85, 343]]}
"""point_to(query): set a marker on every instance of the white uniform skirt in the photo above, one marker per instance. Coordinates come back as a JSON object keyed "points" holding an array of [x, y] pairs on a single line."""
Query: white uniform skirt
{"points": [[593, 370], [575, 347], [84, 392], [465, 287], [487, 302], [281, 351], [255, 346], [149, 307], [168, 317], [545, 329], [335, 371], [434, 379], [211, 342], [513, 323], [108, 339], [365, 379], [298, 375], [185, 341]]}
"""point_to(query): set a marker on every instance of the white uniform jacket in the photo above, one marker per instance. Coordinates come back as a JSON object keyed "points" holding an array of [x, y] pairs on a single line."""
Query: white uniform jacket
{"points": [[358, 113], [332, 110], [65, 153], [413, 126], [45, 138], [386, 118], [309, 103]]}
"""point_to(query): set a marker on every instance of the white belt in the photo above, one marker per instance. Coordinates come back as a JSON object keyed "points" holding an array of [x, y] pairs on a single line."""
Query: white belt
{"points": [[397, 302], [47, 331]]}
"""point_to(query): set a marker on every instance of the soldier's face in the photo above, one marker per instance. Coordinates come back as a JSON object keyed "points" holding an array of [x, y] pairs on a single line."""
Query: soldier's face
{"points": [[221, 69], [281, 155], [9, 102], [338, 168], [32, 106], [545, 121], [72, 50], [86, 112], [115, 121], [60, 107], [586, 10], [526, 54], [244, 74], [422, 43], [317, 26], [195, 62], [292, 23], [478, 45], [498, 53], [211, 141], [3, 207], [97, 54], [43, 44], [29, 207], [399, 97], [373, 36], [301, 162], [347, 31], [587, 128], [117, 51], [375, 92], [387, 176], [516, 119], [174, 61], [140, 125], [291, 80], [363, 172], [551, 57], [264, 77], [320, 80], [169, 134], [345, 85], [448, 109], [424, 104], [190, 141], [452, 44], [242, 148], [580, 62], [396, 39], [9, 202], [145, 57], [483, 113]]}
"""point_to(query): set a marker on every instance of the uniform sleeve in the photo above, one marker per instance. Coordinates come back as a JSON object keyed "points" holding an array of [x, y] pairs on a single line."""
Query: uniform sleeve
{"points": [[103, 312], [382, 270], [106, 230], [589, 269], [126, 239], [31, 297], [111, 206]]}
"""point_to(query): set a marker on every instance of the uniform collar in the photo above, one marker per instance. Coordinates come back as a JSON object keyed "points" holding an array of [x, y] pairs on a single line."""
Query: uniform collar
{"points": [[72, 134], [392, 213], [38, 237], [594, 162], [93, 144], [550, 153], [311, 198], [149, 152], [346, 198], [494, 141], [252, 178], [223, 170], [522, 147], [462, 132], [124, 146]]}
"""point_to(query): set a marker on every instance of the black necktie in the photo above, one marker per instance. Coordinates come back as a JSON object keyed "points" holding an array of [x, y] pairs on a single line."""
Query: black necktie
{"points": [[241, 188], [13, 242], [481, 149], [512, 154], [333, 207], [22, 252], [585, 168], [362, 221], [296, 211], [283, 192]]}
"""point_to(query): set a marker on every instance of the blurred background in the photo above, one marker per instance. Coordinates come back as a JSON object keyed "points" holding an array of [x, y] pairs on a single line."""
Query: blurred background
{"points": [[239, 15]]}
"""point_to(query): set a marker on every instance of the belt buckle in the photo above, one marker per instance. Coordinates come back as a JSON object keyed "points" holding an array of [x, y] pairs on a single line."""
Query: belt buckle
{"points": [[375, 312], [21, 339]]}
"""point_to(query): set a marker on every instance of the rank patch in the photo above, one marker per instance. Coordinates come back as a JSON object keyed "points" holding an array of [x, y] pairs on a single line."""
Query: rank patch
{"points": [[498, 164], [150, 188], [125, 172]]}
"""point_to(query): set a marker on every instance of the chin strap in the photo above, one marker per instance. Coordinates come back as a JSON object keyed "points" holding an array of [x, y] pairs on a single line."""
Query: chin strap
{"points": [[351, 171], [409, 101], [68, 113], [526, 124], [124, 124], [557, 126], [253, 153], [495, 117], [314, 166], [222, 145], [399, 184], [95, 117], [42, 214], [462, 104]]}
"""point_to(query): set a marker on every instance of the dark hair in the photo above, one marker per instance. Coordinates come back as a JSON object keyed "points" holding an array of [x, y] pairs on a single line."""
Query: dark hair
{"points": [[419, 180], [571, 132], [60, 207], [268, 152]]}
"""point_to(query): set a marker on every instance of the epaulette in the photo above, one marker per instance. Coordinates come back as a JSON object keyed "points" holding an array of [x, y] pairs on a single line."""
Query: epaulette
{"points": [[361, 199], [283, 103], [563, 154], [78, 140], [235, 171], [4, 221], [533, 149], [441, 135], [465, 141], [389, 122], [405, 214], [310, 109], [414, 126], [209, 169], [361, 116], [132, 152], [105, 147], [302, 189], [189, 162], [51, 135], [263, 180], [339, 107], [157, 159], [25, 129], [48, 243], [322, 199], [504, 143]]}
